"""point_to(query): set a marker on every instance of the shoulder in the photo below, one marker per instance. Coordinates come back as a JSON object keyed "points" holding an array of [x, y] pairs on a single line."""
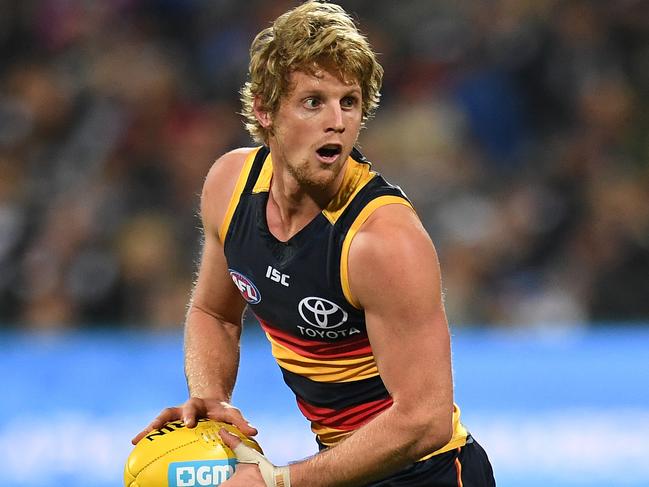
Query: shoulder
{"points": [[220, 183], [392, 246], [391, 227], [225, 171]]}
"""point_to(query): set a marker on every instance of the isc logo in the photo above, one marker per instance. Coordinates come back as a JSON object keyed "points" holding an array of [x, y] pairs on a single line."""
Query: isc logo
{"points": [[200, 473], [275, 275]]}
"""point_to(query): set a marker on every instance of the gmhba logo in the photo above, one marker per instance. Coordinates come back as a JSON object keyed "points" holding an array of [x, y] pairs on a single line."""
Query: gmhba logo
{"points": [[200, 473]]}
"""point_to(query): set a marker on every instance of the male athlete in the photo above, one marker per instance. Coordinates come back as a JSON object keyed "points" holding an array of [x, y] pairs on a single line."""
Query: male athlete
{"points": [[337, 268]]}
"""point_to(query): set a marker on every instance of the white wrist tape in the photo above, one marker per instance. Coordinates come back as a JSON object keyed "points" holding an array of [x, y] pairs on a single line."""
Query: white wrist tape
{"points": [[272, 475]]}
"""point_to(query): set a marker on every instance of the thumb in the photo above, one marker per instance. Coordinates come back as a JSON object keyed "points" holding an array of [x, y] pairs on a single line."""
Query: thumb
{"points": [[230, 440], [272, 475], [244, 453]]}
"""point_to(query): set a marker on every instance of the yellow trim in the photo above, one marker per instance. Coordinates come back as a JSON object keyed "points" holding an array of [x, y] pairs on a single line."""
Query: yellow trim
{"points": [[330, 436], [336, 370], [236, 194], [351, 233], [262, 185], [357, 175], [457, 440]]}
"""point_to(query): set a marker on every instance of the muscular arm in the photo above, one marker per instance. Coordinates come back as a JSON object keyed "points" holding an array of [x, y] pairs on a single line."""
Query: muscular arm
{"points": [[213, 327], [213, 323], [408, 331]]}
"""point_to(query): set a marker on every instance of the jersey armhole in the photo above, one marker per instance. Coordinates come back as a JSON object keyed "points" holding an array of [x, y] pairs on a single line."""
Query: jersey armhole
{"points": [[236, 194], [351, 233]]}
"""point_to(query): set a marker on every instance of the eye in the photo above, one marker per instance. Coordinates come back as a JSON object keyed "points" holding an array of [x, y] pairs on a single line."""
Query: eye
{"points": [[312, 102], [349, 102]]}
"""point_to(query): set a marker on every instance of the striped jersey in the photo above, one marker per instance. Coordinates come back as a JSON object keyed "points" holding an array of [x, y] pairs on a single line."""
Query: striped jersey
{"points": [[299, 292]]}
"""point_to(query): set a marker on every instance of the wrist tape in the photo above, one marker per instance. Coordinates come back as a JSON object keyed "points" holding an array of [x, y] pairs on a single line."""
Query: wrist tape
{"points": [[273, 476]]}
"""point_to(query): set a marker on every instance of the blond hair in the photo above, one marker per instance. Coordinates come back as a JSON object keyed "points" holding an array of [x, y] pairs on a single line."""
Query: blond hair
{"points": [[312, 35]]}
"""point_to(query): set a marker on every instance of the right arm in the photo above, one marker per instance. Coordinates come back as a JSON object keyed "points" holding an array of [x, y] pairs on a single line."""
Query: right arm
{"points": [[214, 318]]}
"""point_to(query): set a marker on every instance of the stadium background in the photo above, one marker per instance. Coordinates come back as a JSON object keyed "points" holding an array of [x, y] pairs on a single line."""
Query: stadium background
{"points": [[519, 128]]}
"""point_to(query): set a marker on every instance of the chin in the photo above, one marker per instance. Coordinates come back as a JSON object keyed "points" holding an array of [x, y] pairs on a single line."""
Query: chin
{"points": [[320, 178]]}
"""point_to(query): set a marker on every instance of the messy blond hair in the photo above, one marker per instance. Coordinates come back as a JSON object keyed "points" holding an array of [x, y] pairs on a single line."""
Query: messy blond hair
{"points": [[312, 35]]}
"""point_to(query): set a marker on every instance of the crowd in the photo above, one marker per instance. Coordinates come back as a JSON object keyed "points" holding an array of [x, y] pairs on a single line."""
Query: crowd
{"points": [[519, 128]]}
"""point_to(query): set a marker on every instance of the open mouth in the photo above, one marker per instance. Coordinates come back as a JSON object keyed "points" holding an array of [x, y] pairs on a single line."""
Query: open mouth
{"points": [[329, 152]]}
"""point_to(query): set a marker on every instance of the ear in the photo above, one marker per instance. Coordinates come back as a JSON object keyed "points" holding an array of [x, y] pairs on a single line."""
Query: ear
{"points": [[262, 115]]}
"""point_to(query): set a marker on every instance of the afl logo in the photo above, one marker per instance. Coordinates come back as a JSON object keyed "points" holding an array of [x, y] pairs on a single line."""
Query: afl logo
{"points": [[248, 290], [321, 313]]}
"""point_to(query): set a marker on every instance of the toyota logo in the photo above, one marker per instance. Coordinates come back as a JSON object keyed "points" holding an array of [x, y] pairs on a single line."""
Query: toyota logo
{"points": [[321, 313]]}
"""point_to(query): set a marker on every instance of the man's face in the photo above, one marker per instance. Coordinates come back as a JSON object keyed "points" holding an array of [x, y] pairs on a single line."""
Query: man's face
{"points": [[316, 127]]}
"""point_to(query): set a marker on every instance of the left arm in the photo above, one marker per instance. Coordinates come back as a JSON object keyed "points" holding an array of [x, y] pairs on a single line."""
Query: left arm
{"points": [[394, 274]]}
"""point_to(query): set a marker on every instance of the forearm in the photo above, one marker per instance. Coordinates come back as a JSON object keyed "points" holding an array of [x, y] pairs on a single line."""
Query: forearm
{"points": [[389, 442], [211, 354]]}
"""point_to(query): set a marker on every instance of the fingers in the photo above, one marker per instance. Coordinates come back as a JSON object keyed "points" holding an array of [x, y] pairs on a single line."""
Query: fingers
{"points": [[168, 414], [193, 409], [270, 474], [229, 439], [232, 415]]}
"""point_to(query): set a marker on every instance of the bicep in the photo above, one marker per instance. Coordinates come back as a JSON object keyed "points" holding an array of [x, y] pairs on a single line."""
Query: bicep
{"points": [[394, 273], [214, 291]]}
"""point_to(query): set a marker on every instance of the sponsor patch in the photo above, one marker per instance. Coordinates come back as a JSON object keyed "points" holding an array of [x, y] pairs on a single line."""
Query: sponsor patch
{"points": [[321, 313], [200, 473]]}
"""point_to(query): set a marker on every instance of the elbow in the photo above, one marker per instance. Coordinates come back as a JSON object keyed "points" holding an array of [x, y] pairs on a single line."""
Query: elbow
{"points": [[429, 431], [440, 434], [434, 435]]}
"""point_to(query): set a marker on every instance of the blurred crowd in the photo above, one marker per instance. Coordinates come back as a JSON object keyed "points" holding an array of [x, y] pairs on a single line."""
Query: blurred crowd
{"points": [[519, 128]]}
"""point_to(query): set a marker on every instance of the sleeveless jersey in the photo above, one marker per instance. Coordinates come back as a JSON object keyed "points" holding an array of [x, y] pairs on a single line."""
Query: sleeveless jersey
{"points": [[299, 292]]}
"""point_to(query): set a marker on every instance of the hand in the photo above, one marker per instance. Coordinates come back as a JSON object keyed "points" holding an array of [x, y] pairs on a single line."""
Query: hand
{"points": [[195, 408], [245, 475], [253, 469]]}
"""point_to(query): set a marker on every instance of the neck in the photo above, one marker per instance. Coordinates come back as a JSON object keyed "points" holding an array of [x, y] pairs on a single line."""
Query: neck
{"points": [[295, 197], [291, 208], [293, 204]]}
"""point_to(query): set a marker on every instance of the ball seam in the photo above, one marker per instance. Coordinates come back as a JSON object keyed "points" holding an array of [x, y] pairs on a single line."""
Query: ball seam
{"points": [[160, 456]]}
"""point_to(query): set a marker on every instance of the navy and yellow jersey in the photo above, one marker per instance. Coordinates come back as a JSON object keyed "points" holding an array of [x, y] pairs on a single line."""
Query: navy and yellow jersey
{"points": [[299, 291]]}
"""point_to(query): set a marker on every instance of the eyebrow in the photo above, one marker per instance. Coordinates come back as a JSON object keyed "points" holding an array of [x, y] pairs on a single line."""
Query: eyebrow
{"points": [[355, 91], [317, 92]]}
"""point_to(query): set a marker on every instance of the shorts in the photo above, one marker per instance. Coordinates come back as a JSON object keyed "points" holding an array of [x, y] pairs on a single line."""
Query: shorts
{"points": [[467, 466]]}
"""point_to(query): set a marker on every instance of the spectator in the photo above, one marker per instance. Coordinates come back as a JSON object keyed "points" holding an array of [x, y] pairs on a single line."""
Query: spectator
{"points": [[526, 151]]}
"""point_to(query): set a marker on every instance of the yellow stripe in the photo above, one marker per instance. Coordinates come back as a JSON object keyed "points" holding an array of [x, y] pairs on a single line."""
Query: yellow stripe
{"points": [[236, 194], [357, 175], [330, 436], [457, 440], [360, 219], [266, 174], [336, 370]]}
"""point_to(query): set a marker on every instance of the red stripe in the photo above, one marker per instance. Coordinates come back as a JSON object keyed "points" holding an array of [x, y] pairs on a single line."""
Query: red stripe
{"points": [[347, 419], [352, 347]]}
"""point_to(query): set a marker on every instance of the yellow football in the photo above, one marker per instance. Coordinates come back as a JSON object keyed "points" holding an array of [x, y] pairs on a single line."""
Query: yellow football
{"points": [[177, 456]]}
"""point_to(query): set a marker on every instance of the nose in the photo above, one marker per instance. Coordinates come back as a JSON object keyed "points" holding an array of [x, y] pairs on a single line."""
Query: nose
{"points": [[335, 119]]}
